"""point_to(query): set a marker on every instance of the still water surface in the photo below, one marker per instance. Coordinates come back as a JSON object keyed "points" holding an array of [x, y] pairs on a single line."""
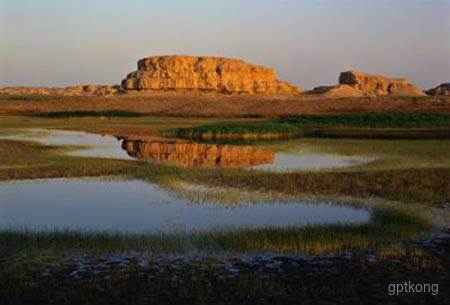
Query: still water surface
{"points": [[136, 206], [184, 154]]}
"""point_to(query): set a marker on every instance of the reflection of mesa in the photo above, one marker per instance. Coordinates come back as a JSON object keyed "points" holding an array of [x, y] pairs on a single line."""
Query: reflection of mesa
{"points": [[198, 154]]}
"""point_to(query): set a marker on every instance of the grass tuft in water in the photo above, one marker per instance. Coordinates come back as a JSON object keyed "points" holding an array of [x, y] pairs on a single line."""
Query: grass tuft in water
{"points": [[236, 131], [387, 224]]}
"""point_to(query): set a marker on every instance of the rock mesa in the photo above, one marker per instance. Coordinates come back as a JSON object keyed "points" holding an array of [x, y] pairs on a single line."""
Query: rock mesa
{"points": [[226, 75], [353, 83], [378, 85], [442, 89]]}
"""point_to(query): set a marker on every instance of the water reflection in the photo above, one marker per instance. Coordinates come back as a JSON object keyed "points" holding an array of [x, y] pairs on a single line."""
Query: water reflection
{"points": [[294, 160], [197, 154], [183, 153], [89, 144]]}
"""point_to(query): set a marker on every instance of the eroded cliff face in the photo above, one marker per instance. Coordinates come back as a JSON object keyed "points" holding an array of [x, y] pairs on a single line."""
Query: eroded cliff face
{"points": [[370, 84], [197, 154], [227, 75], [359, 84]]}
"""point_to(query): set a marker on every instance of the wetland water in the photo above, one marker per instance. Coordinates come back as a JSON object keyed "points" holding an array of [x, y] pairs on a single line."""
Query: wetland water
{"points": [[136, 206], [183, 153], [96, 145]]}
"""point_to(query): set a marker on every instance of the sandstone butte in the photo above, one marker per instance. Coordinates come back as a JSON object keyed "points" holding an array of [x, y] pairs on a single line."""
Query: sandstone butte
{"points": [[353, 83], [226, 75], [197, 154]]}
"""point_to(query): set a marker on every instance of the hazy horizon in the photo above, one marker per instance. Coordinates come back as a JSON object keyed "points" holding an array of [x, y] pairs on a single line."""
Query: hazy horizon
{"points": [[62, 43]]}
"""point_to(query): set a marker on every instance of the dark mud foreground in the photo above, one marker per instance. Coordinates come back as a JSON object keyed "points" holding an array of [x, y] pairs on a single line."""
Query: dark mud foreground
{"points": [[361, 278]]}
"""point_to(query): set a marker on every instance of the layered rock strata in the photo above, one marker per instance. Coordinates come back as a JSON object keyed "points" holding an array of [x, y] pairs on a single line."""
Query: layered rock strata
{"points": [[226, 75], [378, 85]]}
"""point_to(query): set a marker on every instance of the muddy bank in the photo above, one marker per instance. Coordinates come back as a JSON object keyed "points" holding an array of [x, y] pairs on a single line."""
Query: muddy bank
{"points": [[348, 279]]}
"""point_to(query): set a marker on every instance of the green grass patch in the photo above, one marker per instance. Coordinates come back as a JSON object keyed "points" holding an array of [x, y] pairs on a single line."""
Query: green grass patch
{"points": [[358, 126], [378, 133], [236, 130], [380, 120], [78, 114]]}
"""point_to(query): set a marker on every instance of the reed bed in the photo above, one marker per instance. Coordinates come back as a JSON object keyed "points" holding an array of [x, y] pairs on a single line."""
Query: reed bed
{"points": [[387, 224], [377, 120], [236, 131]]}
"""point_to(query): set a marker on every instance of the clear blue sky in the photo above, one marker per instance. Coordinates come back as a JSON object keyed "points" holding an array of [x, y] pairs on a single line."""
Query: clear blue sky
{"points": [[65, 42]]}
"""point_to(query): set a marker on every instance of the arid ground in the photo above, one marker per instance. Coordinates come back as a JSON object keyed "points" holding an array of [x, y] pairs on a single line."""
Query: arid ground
{"points": [[219, 105]]}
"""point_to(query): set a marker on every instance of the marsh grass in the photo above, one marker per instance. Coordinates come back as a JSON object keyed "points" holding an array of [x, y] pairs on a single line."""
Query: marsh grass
{"points": [[28, 160], [231, 131], [387, 224], [377, 133], [358, 126], [46, 277], [25, 160], [377, 120], [143, 125], [25, 255], [373, 125], [21, 160], [384, 154], [406, 185]]}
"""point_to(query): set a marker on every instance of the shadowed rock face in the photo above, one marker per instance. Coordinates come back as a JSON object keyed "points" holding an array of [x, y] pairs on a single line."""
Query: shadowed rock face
{"points": [[442, 89], [197, 154], [338, 91], [378, 85], [358, 84], [227, 75]]}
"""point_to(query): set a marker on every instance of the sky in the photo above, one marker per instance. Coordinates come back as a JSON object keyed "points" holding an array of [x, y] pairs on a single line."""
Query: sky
{"points": [[308, 42]]}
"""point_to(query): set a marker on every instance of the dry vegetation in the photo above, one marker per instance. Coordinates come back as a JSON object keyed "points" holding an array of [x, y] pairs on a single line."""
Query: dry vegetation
{"points": [[209, 104]]}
